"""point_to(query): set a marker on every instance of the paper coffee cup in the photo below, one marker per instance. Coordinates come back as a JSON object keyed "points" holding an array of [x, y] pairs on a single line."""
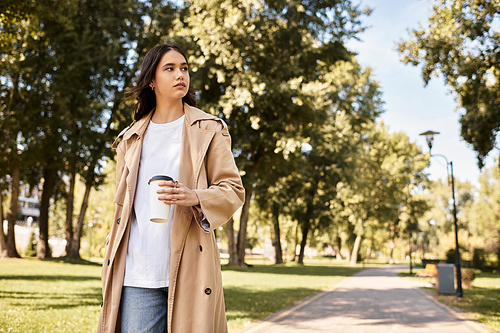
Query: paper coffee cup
{"points": [[158, 210]]}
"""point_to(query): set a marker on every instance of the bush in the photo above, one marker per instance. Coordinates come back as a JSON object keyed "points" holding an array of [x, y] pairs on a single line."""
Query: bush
{"points": [[479, 259], [252, 242], [450, 256], [432, 261], [30, 250], [468, 275]]}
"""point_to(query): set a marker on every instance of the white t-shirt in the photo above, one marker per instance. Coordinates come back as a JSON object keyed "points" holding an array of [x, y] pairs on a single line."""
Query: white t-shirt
{"points": [[148, 254]]}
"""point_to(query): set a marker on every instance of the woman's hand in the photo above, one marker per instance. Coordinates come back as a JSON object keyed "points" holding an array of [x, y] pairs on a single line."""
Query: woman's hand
{"points": [[175, 193]]}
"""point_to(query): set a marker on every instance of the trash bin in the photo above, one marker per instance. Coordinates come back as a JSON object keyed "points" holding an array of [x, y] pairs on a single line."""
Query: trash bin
{"points": [[445, 283]]}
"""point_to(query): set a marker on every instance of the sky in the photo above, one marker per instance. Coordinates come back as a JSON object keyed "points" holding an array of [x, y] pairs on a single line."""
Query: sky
{"points": [[409, 106]]}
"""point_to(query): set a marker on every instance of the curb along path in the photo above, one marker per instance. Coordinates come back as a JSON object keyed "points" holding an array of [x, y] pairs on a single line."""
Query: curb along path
{"points": [[374, 300]]}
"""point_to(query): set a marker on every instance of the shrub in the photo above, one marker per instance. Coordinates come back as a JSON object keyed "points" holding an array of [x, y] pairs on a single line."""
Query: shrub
{"points": [[468, 275], [479, 259], [450, 256], [30, 250]]}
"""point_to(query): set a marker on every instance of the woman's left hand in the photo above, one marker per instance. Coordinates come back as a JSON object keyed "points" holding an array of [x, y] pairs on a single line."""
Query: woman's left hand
{"points": [[175, 193]]}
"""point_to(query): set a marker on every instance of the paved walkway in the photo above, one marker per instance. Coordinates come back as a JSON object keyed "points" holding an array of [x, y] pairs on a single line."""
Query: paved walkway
{"points": [[374, 300]]}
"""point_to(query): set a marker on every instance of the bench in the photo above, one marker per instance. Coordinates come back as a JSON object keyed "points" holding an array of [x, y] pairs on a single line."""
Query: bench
{"points": [[429, 271]]}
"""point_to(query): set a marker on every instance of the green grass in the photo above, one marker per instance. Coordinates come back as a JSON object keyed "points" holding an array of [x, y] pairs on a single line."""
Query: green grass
{"points": [[49, 296], [482, 302], [59, 296]]}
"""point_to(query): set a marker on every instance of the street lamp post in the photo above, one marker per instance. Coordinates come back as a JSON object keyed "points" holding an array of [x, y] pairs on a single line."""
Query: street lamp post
{"points": [[429, 135]]}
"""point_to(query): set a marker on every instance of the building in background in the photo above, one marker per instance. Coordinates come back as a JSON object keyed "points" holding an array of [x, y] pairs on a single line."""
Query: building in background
{"points": [[29, 209]]}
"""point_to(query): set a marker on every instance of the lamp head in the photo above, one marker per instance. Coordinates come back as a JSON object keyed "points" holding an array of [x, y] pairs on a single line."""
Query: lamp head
{"points": [[429, 136]]}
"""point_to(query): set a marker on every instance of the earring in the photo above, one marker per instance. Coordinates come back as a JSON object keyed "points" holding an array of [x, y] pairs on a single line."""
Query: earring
{"points": [[152, 88]]}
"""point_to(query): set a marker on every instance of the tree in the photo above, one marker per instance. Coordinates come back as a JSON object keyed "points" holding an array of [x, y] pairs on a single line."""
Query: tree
{"points": [[250, 62], [387, 170], [483, 215], [92, 98], [273, 195], [344, 98], [438, 222], [66, 67], [460, 42], [349, 98], [20, 95]]}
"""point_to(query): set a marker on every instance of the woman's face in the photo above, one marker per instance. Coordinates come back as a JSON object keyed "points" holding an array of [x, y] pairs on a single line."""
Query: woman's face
{"points": [[172, 76]]}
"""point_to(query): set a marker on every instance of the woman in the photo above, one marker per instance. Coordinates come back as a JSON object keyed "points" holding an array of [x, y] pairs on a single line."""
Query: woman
{"points": [[159, 277]]}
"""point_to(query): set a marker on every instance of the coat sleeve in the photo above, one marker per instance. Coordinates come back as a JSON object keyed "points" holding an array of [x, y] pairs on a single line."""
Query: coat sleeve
{"points": [[225, 193], [120, 163]]}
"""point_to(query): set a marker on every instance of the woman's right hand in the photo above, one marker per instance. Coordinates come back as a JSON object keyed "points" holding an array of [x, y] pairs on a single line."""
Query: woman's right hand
{"points": [[175, 193]]}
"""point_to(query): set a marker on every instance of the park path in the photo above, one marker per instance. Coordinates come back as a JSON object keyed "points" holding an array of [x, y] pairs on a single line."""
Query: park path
{"points": [[372, 301]]}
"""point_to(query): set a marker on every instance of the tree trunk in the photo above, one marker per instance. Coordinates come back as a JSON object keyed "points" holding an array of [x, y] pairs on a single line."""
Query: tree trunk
{"points": [[231, 244], [355, 250], [339, 246], [312, 191], [391, 254], [277, 235], [350, 241], [296, 242], [69, 208], [305, 231], [77, 234], [242, 233], [349, 253], [49, 177], [393, 233], [3, 238], [12, 213]]}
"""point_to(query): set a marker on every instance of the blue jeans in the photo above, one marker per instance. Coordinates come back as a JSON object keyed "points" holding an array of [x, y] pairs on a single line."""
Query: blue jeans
{"points": [[143, 310]]}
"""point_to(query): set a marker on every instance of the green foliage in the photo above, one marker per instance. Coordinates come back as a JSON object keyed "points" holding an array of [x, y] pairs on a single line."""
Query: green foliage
{"points": [[30, 250], [64, 68], [485, 213], [438, 225], [450, 256], [101, 210], [381, 189], [347, 100], [478, 258], [256, 63], [468, 275], [460, 42], [261, 66], [301, 110]]}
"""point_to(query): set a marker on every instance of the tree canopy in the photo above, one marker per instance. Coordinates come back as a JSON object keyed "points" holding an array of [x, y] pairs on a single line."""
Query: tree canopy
{"points": [[301, 110], [460, 42]]}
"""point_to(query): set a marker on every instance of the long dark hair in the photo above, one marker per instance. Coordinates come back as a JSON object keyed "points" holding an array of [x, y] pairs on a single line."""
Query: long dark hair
{"points": [[142, 92]]}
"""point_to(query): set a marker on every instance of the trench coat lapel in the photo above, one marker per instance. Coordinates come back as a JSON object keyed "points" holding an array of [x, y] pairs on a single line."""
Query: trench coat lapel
{"points": [[195, 143]]}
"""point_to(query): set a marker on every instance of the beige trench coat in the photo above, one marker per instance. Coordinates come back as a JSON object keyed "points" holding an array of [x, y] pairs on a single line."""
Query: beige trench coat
{"points": [[195, 300]]}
